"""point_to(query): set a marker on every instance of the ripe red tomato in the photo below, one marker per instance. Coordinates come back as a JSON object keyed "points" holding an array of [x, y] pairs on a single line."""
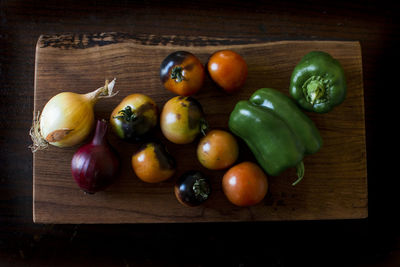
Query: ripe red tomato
{"points": [[217, 150], [182, 73], [245, 184], [228, 70]]}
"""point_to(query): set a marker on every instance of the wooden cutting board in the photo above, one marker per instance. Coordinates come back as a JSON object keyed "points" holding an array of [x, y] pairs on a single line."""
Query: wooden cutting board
{"points": [[335, 182]]}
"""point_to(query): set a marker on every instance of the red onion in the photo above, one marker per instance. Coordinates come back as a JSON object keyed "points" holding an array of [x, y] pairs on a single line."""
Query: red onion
{"points": [[95, 165]]}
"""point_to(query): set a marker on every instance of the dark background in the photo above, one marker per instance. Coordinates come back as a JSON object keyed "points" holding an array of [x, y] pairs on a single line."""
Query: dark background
{"points": [[371, 242]]}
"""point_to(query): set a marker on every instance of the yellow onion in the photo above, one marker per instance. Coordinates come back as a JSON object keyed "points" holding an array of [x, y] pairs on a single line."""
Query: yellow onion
{"points": [[67, 119]]}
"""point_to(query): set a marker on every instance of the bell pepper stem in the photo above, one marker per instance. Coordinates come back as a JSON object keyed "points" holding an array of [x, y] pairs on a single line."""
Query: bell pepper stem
{"points": [[300, 172], [314, 89]]}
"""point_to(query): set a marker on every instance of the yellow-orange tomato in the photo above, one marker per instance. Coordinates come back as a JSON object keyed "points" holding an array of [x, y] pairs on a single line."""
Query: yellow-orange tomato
{"points": [[245, 184], [182, 73], [217, 150], [182, 119], [152, 163], [228, 70], [134, 117]]}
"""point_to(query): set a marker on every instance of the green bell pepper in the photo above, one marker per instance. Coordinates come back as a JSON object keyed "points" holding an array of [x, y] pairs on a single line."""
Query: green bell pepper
{"points": [[277, 132], [302, 126], [318, 82]]}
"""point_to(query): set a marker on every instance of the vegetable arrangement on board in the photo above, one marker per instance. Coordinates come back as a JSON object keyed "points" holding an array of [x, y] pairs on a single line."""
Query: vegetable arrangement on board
{"points": [[271, 124]]}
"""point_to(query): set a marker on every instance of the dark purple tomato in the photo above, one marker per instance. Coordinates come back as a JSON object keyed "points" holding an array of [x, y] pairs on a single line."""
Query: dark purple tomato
{"points": [[182, 72], [192, 188]]}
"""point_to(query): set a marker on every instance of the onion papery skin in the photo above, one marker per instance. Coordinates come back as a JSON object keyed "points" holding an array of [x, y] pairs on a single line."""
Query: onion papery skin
{"points": [[69, 112]]}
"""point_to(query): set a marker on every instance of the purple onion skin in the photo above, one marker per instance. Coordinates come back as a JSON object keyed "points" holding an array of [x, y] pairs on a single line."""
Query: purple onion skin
{"points": [[95, 165]]}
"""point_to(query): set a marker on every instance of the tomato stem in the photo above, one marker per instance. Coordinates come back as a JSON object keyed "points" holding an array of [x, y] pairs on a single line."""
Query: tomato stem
{"points": [[201, 189], [204, 127], [176, 74], [127, 114]]}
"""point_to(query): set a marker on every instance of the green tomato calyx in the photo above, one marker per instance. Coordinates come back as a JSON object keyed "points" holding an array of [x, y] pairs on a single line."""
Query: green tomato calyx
{"points": [[127, 114], [201, 189], [177, 74]]}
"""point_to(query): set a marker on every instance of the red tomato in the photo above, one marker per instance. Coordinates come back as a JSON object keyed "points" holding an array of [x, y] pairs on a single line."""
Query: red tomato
{"points": [[245, 184], [228, 70]]}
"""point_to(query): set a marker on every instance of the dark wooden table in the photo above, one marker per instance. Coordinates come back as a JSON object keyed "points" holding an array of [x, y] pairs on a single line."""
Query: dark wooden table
{"points": [[370, 242]]}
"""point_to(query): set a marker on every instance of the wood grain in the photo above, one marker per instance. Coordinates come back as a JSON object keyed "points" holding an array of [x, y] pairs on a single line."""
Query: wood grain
{"points": [[335, 183]]}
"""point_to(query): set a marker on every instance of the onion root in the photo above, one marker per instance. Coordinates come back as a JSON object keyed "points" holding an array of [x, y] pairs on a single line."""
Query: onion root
{"points": [[38, 142]]}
